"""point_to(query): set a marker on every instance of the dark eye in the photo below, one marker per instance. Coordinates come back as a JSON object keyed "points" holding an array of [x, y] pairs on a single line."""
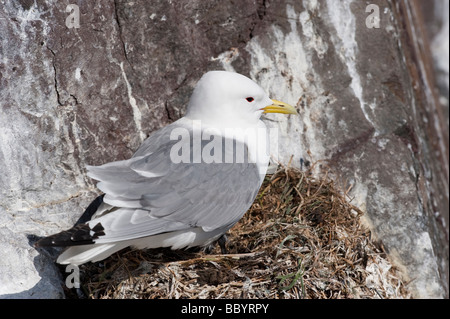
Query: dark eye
{"points": [[250, 99]]}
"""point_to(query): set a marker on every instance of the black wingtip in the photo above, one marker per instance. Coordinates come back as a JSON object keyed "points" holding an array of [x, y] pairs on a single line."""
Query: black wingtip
{"points": [[90, 210], [33, 239], [80, 234]]}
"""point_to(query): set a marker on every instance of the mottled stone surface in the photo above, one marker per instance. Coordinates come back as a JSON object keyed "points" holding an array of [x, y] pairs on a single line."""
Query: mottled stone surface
{"points": [[89, 95]]}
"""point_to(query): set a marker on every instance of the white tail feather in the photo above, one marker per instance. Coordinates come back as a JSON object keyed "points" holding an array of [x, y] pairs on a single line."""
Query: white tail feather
{"points": [[77, 255]]}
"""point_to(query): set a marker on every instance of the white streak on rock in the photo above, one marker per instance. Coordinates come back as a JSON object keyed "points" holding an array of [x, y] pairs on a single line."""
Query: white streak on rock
{"points": [[424, 251], [284, 72], [137, 116], [78, 74], [440, 44], [315, 41], [226, 58], [343, 21]]}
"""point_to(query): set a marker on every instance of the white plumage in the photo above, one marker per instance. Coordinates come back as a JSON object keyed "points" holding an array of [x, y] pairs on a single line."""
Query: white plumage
{"points": [[154, 200]]}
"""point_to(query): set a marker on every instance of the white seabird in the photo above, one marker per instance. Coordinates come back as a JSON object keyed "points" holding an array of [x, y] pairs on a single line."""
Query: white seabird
{"points": [[181, 192]]}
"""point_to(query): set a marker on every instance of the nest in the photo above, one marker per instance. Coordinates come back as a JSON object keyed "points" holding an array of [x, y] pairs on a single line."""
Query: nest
{"points": [[302, 238]]}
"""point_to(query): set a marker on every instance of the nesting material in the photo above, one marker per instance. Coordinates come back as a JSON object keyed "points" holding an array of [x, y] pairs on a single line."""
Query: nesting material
{"points": [[302, 238]]}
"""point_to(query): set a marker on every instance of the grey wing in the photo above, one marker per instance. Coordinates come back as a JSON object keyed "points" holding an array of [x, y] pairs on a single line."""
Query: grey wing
{"points": [[157, 195]]}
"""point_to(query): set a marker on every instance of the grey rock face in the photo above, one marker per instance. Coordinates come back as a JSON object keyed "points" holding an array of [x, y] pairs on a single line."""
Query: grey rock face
{"points": [[71, 97]]}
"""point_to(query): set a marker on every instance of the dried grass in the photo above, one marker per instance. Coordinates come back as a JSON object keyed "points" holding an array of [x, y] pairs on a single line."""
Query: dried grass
{"points": [[302, 238]]}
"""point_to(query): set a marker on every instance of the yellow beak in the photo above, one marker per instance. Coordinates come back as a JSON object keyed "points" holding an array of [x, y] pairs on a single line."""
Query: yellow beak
{"points": [[279, 107]]}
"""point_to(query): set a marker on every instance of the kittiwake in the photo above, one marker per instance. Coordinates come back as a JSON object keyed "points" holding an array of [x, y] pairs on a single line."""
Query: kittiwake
{"points": [[187, 184]]}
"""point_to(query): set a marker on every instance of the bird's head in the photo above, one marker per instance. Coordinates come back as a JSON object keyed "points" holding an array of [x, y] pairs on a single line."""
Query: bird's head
{"points": [[231, 99]]}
